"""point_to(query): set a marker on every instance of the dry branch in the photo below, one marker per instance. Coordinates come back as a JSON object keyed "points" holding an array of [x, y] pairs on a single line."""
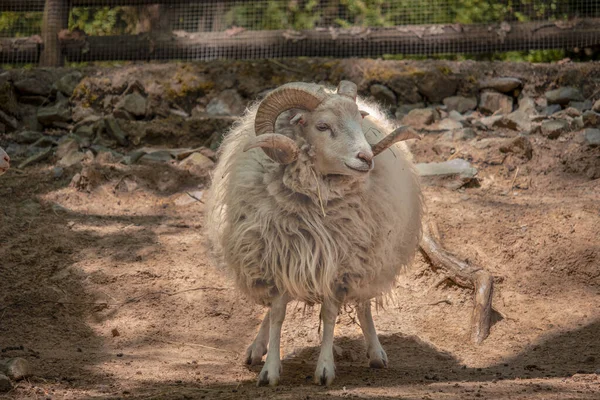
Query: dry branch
{"points": [[465, 275]]}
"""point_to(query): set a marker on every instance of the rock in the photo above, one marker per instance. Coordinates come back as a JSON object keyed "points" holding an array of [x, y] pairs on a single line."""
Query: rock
{"points": [[519, 145], [506, 122], [9, 122], [122, 114], [504, 84], [591, 119], [34, 86], [86, 131], [8, 98], [447, 124], [114, 130], [552, 109], [490, 121], [460, 103], [57, 172], [527, 105], [383, 94], [228, 102], [520, 120], [71, 158], [66, 146], [27, 137], [156, 106], [133, 157], [455, 115], [40, 156], [453, 167], [161, 156], [436, 86], [5, 384], [554, 128], [67, 84], [58, 112], [572, 112], [578, 123], [592, 136], [491, 102], [44, 141], [563, 95], [464, 134], [405, 89], [596, 106], [88, 179], [197, 164], [420, 117], [581, 106], [404, 109], [134, 104], [15, 368]]}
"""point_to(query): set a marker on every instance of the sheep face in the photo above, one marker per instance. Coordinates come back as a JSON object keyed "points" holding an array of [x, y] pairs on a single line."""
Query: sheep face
{"points": [[336, 139], [4, 161]]}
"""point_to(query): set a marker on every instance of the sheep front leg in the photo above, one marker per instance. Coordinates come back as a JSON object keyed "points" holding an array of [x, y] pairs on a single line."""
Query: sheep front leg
{"points": [[272, 369], [325, 372], [258, 348], [377, 356]]}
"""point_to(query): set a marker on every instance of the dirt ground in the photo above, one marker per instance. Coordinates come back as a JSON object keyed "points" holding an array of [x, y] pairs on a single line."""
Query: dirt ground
{"points": [[110, 294]]}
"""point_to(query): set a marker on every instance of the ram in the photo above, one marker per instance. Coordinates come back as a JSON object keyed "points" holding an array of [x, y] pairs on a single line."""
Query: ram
{"points": [[4, 161], [312, 201]]}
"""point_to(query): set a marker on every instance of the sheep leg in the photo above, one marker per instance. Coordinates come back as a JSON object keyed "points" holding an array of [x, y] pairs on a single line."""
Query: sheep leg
{"points": [[258, 348], [325, 372], [272, 369], [377, 356]]}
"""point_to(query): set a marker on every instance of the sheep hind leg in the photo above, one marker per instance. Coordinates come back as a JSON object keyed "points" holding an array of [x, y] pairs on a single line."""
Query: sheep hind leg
{"points": [[258, 348], [325, 372], [377, 356], [271, 371]]}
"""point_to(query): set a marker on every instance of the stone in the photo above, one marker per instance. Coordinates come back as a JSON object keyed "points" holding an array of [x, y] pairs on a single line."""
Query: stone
{"points": [[122, 114], [8, 98], [404, 109], [552, 109], [572, 112], [405, 89], [455, 115], [581, 106], [133, 157], [456, 166], [383, 94], [58, 172], [228, 102], [436, 86], [420, 117], [5, 384], [591, 119], [33, 86], [134, 104], [527, 105], [596, 106], [519, 145], [86, 131], [40, 156], [464, 134], [447, 124], [197, 164], [15, 368], [114, 130], [506, 122], [592, 136], [502, 84], [460, 103], [44, 141], [563, 95], [578, 123], [71, 158], [67, 83], [9, 122], [554, 128], [521, 120], [27, 137], [66, 146], [58, 112], [490, 121], [161, 156], [491, 102]]}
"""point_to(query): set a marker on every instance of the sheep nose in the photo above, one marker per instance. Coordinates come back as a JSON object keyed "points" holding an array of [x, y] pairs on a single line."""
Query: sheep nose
{"points": [[6, 158], [366, 157]]}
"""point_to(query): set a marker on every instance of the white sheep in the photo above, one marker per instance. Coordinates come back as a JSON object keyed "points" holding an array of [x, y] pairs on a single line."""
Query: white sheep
{"points": [[312, 216], [4, 161]]}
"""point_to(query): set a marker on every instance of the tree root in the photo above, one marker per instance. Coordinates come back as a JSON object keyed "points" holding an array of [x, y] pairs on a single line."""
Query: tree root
{"points": [[465, 275]]}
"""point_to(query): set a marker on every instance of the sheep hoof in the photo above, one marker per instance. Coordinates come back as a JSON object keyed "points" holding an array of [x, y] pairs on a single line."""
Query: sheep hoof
{"points": [[266, 378], [325, 375], [254, 354], [378, 360]]}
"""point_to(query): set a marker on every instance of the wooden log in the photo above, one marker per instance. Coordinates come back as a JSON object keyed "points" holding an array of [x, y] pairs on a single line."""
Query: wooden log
{"points": [[56, 18], [20, 50], [354, 42], [38, 5], [466, 275]]}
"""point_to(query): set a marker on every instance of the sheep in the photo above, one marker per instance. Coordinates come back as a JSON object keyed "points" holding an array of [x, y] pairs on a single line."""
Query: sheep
{"points": [[299, 209], [4, 161]]}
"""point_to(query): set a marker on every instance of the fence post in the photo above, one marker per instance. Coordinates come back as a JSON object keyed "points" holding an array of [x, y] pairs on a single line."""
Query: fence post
{"points": [[56, 18]]}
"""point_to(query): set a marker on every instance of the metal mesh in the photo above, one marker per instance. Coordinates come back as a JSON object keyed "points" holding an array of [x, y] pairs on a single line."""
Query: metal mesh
{"points": [[96, 30]]}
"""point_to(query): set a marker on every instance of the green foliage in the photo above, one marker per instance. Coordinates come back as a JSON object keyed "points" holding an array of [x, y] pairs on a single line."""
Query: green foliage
{"points": [[15, 24], [103, 20]]}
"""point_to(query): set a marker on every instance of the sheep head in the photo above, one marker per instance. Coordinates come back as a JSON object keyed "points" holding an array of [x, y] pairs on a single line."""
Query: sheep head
{"points": [[4, 161], [330, 123]]}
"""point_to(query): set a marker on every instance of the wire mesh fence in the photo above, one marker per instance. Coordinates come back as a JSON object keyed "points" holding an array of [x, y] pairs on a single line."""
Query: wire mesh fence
{"points": [[48, 31]]}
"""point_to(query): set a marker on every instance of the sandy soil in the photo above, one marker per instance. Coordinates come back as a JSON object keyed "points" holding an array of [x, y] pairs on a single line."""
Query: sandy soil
{"points": [[110, 294]]}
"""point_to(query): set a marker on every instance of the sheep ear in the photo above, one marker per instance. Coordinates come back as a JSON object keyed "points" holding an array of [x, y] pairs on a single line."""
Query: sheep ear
{"points": [[278, 147], [363, 113], [298, 119]]}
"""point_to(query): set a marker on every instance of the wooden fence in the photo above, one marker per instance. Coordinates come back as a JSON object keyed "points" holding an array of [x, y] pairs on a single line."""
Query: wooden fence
{"points": [[57, 43]]}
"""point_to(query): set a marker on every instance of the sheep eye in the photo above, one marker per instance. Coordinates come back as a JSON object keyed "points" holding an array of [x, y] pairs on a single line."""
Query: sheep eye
{"points": [[323, 127]]}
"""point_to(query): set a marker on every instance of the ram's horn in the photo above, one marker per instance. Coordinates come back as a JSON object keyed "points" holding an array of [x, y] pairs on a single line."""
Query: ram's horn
{"points": [[348, 89], [306, 96], [278, 147], [398, 135]]}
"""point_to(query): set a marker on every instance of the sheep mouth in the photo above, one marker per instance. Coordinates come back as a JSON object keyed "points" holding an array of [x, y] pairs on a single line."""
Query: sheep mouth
{"points": [[363, 169]]}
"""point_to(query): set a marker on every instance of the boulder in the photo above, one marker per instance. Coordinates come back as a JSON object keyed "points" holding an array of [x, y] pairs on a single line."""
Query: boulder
{"points": [[383, 94], [502, 84], [492, 102], [460, 104], [564, 95]]}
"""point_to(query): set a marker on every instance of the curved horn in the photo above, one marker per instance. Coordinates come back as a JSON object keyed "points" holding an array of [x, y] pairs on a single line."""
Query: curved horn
{"points": [[279, 148], [292, 95], [348, 89], [398, 135]]}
